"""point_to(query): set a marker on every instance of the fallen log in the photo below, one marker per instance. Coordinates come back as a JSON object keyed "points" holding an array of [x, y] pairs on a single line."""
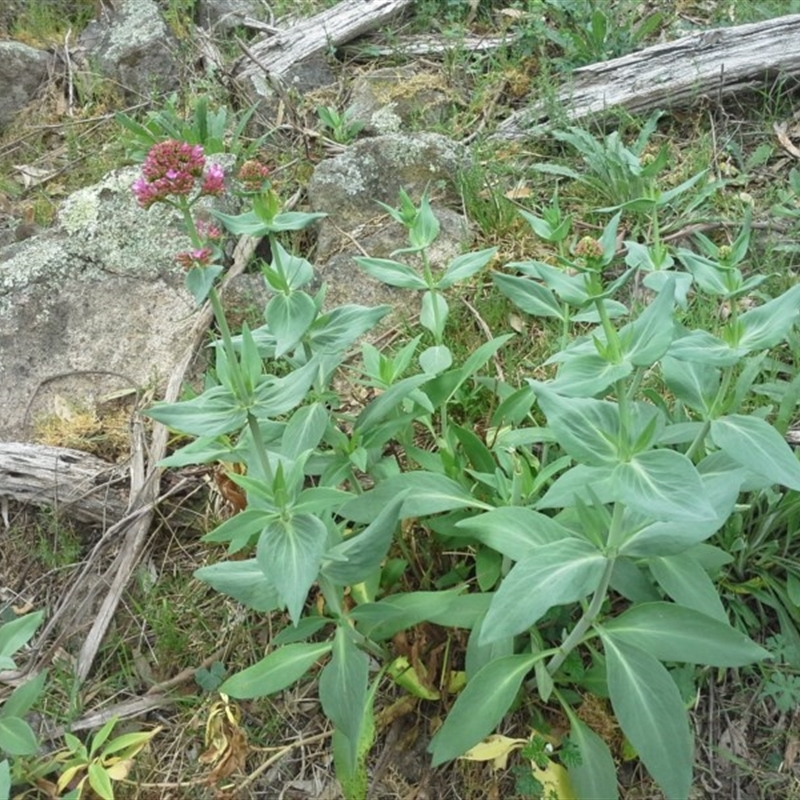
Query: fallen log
{"points": [[75, 484], [269, 60], [676, 74]]}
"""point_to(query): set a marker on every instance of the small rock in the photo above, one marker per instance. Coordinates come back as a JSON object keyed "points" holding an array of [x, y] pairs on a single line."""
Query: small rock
{"points": [[133, 46], [23, 70], [399, 99]]}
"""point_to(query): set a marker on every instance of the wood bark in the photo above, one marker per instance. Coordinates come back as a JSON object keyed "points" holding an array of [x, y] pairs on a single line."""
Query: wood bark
{"points": [[275, 54], [76, 484], [712, 64]]}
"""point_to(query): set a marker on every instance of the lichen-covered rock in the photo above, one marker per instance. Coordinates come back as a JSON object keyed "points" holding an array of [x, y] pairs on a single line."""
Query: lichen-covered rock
{"points": [[221, 16], [23, 70], [133, 46], [347, 188], [93, 306], [399, 99], [377, 168]]}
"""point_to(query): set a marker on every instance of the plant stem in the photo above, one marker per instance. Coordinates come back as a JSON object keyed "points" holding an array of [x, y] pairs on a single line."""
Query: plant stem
{"points": [[227, 344], [260, 447], [585, 622], [612, 339], [698, 440]]}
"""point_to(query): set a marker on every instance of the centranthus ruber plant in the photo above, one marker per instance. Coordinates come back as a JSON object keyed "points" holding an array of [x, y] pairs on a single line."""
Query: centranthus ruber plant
{"points": [[581, 509]]}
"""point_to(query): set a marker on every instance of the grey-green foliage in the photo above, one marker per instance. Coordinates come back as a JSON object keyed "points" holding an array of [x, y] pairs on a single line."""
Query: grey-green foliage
{"points": [[617, 494], [17, 738]]}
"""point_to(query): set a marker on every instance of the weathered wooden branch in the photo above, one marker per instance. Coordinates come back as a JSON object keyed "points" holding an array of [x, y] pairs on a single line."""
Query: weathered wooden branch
{"points": [[76, 484], [432, 45], [715, 63], [272, 57]]}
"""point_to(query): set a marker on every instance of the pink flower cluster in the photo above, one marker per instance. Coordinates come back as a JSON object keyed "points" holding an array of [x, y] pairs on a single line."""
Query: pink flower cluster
{"points": [[201, 257], [172, 169]]}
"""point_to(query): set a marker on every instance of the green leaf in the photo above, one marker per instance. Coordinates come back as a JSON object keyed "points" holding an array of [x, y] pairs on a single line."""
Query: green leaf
{"points": [[480, 707], [425, 227], [528, 295], [429, 493], [587, 374], [355, 783], [18, 632], [704, 348], [655, 281], [276, 396], [274, 673], [663, 484], [99, 781], [391, 272], [99, 739], [514, 531], [756, 445], [320, 498], [244, 581], [647, 338], [240, 528], [768, 325], [464, 266], [339, 328], [688, 584], [595, 778], [17, 737], [289, 316], [343, 686], [560, 572], [305, 430], [5, 780], [293, 221], [354, 559], [289, 552], [644, 537], [570, 288], [693, 383], [199, 281], [479, 455], [251, 363], [671, 632], [214, 412], [385, 403], [587, 429], [433, 313], [434, 360], [574, 485], [384, 619], [478, 655], [650, 711], [23, 697]]}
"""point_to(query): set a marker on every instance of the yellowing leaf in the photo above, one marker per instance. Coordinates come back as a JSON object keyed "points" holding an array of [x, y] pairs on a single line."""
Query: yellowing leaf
{"points": [[555, 780], [519, 192], [494, 748], [406, 676], [120, 770], [457, 681]]}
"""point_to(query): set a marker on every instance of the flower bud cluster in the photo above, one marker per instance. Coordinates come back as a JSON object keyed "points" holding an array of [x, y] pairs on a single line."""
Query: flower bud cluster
{"points": [[200, 257], [252, 175], [172, 169]]}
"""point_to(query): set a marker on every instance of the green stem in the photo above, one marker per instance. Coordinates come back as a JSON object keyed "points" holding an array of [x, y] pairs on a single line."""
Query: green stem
{"points": [[698, 440], [227, 344], [612, 338], [260, 447], [585, 622], [564, 327], [624, 406], [719, 400]]}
